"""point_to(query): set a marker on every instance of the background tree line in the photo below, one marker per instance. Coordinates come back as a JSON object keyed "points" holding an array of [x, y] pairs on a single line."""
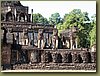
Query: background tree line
{"points": [[87, 27]]}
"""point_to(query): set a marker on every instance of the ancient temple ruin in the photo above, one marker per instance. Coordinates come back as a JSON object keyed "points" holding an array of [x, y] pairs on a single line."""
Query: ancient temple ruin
{"points": [[25, 43], [70, 38]]}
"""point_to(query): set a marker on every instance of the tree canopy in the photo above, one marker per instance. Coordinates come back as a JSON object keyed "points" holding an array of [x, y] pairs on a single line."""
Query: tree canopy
{"points": [[55, 19], [80, 19], [38, 18], [93, 31]]}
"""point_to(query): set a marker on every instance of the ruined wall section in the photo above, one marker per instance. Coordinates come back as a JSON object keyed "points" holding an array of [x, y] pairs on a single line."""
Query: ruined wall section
{"points": [[60, 60]]}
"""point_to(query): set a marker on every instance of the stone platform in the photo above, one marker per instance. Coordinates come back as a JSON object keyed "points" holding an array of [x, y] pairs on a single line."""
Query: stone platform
{"points": [[56, 66]]}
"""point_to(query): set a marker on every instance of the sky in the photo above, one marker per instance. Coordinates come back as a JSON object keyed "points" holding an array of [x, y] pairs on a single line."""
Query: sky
{"points": [[46, 8]]}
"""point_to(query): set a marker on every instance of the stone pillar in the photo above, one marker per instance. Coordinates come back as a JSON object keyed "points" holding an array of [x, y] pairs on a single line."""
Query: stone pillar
{"points": [[55, 39], [57, 43], [25, 18], [40, 39], [71, 43], [17, 37], [25, 37], [32, 15], [13, 16], [9, 37], [4, 17], [50, 41], [33, 38], [48, 38], [13, 38], [15, 13], [29, 38], [17, 56], [20, 38], [76, 42], [28, 18], [4, 36], [18, 19], [67, 44]]}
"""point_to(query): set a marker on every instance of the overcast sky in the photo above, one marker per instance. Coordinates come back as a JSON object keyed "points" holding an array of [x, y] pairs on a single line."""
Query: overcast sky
{"points": [[46, 8]]}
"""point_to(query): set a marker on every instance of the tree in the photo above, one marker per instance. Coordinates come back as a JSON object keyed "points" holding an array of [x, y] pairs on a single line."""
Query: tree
{"points": [[64, 19], [93, 31], [55, 19], [38, 18], [82, 21]]}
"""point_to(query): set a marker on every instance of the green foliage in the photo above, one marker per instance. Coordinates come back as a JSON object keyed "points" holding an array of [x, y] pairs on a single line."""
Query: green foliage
{"points": [[93, 35], [55, 19], [38, 18], [93, 31], [82, 21]]}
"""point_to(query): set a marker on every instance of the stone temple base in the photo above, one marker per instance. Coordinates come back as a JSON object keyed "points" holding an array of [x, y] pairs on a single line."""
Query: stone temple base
{"points": [[56, 66]]}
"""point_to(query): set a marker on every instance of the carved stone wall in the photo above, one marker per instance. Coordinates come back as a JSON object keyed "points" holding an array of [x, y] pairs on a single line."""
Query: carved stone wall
{"points": [[65, 56], [57, 59], [60, 60]]}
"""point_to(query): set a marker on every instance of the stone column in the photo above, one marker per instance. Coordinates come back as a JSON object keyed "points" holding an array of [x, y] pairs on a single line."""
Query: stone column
{"points": [[17, 56], [48, 38], [25, 37], [71, 42], [4, 36], [32, 15], [55, 39], [4, 17], [68, 44], [57, 43], [17, 37], [76, 42], [33, 38], [13, 38], [9, 37], [20, 38], [40, 39], [29, 18], [25, 18], [18, 19], [13, 16], [29, 38]]}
